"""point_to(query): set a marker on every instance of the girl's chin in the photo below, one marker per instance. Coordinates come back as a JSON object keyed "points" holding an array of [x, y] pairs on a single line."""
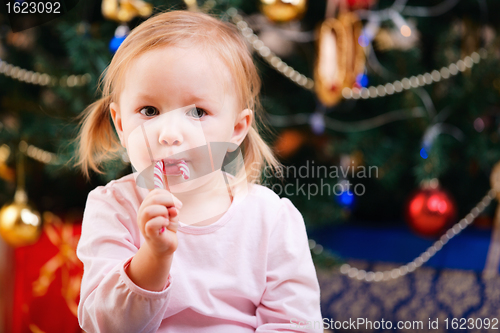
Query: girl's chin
{"points": [[178, 184]]}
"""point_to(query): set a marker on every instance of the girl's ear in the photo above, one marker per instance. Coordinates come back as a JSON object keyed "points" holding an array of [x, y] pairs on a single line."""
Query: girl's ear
{"points": [[117, 120], [242, 126]]}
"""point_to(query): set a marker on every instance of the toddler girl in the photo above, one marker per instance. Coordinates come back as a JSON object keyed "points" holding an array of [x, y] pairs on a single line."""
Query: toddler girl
{"points": [[206, 250]]}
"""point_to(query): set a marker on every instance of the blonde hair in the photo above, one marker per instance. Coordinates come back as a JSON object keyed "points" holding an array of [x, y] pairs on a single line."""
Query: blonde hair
{"points": [[97, 142]]}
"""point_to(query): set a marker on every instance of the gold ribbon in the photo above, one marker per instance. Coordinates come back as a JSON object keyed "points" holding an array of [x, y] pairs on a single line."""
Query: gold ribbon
{"points": [[61, 235]]}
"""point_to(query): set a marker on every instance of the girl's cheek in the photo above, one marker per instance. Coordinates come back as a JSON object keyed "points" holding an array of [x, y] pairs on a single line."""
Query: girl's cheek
{"points": [[137, 150], [197, 137]]}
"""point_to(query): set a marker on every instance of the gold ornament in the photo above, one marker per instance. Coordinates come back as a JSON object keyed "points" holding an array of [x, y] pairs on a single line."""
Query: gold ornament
{"points": [[20, 224], [192, 5], [125, 10], [283, 10], [340, 57], [355, 60], [330, 68]]}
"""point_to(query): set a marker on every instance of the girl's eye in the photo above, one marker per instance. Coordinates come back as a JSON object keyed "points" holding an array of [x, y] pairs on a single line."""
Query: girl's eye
{"points": [[197, 112], [150, 111]]}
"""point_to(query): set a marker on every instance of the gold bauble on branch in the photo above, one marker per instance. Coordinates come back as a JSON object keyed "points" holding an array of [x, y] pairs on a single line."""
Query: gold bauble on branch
{"points": [[125, 10], [20, 224], [283, 10]]}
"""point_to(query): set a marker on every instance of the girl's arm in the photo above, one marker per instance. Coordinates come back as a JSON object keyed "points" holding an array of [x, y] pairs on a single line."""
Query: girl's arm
{"points": [[150, 266], [291, 301], [110, 301], [149, 270]]}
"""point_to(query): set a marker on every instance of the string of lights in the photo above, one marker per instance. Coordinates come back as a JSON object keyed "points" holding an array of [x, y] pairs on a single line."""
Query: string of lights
{"points": [[387, 89], [42, 79], [38, 154], [395, 273]]}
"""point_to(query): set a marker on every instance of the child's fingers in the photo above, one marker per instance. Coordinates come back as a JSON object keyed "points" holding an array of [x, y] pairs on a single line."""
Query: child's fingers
{"points": [[173, 226], [162, 197], [154, 210], [173, 212], [154, 226], [150, 212]]}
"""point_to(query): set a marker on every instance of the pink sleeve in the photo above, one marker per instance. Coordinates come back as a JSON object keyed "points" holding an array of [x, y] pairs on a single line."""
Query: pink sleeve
{"points": [[291, 300], [109, 300]]}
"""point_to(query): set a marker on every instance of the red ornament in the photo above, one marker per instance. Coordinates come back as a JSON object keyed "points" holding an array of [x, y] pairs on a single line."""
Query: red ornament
{"points": [[430, 211]]}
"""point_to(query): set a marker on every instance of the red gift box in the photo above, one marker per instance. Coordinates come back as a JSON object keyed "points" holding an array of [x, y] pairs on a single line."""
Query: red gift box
{"points": [[47, 280]]}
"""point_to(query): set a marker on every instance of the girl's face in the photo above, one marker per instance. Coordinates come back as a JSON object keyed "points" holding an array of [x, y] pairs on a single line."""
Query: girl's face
{"points": [[175, 102]]}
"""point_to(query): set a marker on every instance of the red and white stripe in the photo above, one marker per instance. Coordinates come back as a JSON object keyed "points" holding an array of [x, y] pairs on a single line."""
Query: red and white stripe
{"points": [[184, 169], [159, 181], [158, 175]]}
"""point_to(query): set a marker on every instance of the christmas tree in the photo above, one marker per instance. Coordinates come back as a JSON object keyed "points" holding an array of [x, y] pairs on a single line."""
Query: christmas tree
{"points": [[374, 107], [396, 112]]}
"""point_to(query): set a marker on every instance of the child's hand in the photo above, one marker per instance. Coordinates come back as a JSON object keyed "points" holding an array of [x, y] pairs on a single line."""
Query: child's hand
{"points": [[158, 218]]}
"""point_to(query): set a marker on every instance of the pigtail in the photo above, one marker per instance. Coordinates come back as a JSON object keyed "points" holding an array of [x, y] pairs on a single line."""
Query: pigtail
{"points": [[258, 153], [96, 140]]}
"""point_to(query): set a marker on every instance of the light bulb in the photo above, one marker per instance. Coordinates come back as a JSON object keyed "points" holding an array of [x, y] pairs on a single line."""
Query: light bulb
{"points": [[405, 31]]}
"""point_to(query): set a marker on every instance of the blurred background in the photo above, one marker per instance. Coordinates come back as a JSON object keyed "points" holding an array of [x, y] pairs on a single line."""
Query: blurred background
{"points": [[385, 115]]}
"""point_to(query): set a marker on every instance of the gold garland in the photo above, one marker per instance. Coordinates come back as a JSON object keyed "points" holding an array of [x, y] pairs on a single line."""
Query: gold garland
{"points": [[267, 54], [395, 273], [277, 63], [355, 93], [38, 154], [42, 79]]}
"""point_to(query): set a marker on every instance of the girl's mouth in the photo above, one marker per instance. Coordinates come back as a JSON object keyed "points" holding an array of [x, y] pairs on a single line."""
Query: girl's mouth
{"points": [[177, 167], [173, 161], [171, 170]]}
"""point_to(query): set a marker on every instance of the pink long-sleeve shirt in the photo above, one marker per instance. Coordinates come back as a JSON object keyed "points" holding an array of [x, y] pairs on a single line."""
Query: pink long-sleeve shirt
{"points": [[250, 271]]}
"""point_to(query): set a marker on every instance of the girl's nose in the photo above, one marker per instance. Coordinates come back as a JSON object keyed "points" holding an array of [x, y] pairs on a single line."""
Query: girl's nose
{"points": [[170, 138], [170, 133], [167, 142]]}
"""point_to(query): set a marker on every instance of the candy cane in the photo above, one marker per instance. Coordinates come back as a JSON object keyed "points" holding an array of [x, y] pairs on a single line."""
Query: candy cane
{"points": [[184, 169], [158, 175], [159, 181]]}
